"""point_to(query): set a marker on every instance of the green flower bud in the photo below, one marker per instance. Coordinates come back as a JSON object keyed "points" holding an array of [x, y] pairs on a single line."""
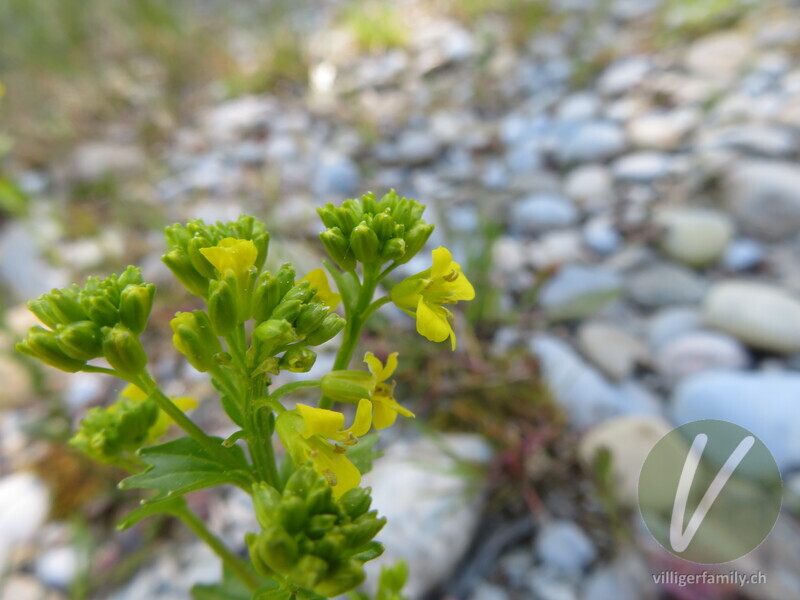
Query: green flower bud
{"points": [[101, 309], [330, 326], [302, 481], [364, 244], [338, 246], [178, 262], [293, 513], [383, 225], [272, 335], [311, 317], [124, 352], [265, 297], [298, 360], [348, 386], [261, 242], [43, 310], [130, 276], [394, 249], [288, 310], [43, 345], [319, 525], [193, 336], [300, 291], [254, 546], [415, 240], [285, 276], [328, 215], [223, 305], [369, 203], [200, 262], [320, 500], [362, 530], [267, 502], [348, 575], [81, 340], [308, 572], [356, 502], [135, 304], [279, 549], [65, 305]]}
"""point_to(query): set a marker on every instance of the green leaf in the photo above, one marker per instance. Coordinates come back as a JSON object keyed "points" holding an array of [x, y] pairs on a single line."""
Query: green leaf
{"points": [[231, 588], [167, 506], [272, 594], [362, 454], [183, 466]]}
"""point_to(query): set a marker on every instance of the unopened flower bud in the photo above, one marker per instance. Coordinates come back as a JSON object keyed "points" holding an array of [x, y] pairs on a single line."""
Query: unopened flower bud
{"points": [[273, 334], [288, 310], [298, 360], [394, 250], [101, 310], [265, 297], [364, 244], [267, 501], [178, 262], [66, 306], [42, 345], [223, 304], [311, 317], [338, 247], [348, 575], [356, 502], [81, 340], [135, 304], [124, 352], [348, 386], [415, 240], [194, 337], [383, 225]]}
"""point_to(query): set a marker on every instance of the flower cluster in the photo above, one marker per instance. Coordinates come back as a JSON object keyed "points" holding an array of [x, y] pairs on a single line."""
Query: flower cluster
{"points": [[312, 540], [102, 319]]}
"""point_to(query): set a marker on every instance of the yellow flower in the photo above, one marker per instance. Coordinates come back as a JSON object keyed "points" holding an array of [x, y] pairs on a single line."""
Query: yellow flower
{"points": [[238, 256], [423, 295], [159, 428], [384, 407], [310, 433], [319, 280]]}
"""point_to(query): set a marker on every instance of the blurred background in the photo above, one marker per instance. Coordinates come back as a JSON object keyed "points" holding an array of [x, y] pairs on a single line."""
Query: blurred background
{"points": [[619, 179]]}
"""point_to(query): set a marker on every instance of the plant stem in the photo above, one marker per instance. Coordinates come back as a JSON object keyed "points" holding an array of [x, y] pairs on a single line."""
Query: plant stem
{"points": [[295, 385], [258, 431], [148, 384], [235, 564]]}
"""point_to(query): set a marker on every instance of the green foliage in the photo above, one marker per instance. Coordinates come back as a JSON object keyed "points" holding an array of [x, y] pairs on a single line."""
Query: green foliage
{"points": [[13, 201], [376, 25], [683, 20], [182, 466]]}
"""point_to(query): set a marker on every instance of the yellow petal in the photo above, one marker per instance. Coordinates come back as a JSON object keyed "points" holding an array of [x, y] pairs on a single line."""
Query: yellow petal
{"points": [[383, 416], [378, 369], [336, 468], [461, 288], [442, 261], [432, 321], [132, 392], [232, 255], [320, 421], [363, 419], [319, 280]]}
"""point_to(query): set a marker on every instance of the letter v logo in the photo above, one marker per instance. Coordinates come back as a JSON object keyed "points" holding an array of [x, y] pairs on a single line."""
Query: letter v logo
{"points": [[680, 539]]}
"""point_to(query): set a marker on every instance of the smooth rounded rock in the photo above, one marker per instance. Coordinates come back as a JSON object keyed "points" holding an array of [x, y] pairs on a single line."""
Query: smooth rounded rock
{"points": [[591, 142], [694, 236], [564, 547], [663, 284], [542, 212], [760, 315], [615, 351], [700, 351]]}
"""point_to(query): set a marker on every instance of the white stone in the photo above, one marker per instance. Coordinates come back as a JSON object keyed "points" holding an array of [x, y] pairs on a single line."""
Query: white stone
{"points": [[719, 55], [565, 547], [591, 186], [615, 351], [700, 351], [697, 237], [26, 503], [662, 130], [760, 315]]}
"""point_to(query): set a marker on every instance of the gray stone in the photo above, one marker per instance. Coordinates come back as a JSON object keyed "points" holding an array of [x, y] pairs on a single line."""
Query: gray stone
{"points": [[556, 248], [760, 315], [564, 547], [629, 440], [627, 578], [699, 351], [581, 106], [237, 117], [742, 255], [581, 390], [623, 75], [670, 323], [430, 510], [57, 567], [545, 585], [26, 503], [336, 175], [601, 237], [764, 198], [764, 403], [758, 140], [663, 130], [95, 160], [591, 142], [577, 291], [488, 591], [22, 266], [615, 351], [719, 55], [694, 236], [642, 167], [416, 147], [663, 285], [591, 186], [542, 212]]}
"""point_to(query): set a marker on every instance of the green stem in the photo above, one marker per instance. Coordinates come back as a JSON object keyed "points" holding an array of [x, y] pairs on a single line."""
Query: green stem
{"points": [[176, 414], [295, 385], [258, 431], [235, 564]]}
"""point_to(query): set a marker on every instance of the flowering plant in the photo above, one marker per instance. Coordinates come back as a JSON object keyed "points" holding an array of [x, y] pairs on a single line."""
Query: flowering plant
{"points": [[317, 529]]}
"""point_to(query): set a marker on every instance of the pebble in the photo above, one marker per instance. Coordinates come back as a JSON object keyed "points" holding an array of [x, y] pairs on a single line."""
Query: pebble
{"points": [[629, 440], [591, 186], [628, 577], [764, 199], [26, 503], [416, 148], [544, 585], [642, 167], [336, 175], [16, 389], [614, 351], [488, 591], [700, 351], [601, 237], [577, 291], [586, 396], [669, 323], [431, 516], [57, 567], [594, 141], [763, 403], [623, 75], [662, 130], [743, 254], [719, 55], [760, 315], [665, 284], [697, 237], [542, 212], [565, 547], [94, 160]]}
